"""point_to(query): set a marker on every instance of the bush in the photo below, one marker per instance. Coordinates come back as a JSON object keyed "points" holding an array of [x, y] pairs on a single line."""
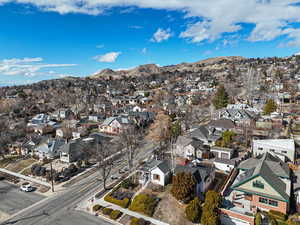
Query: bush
{"points": [[107, 211], [277, 215], [128, 184], [144, 203], [124, 203], [292, 221], [115, 214], [273, 221], [258, 219], [193, 211], [183, 186], [138, 221], [96, 208]]}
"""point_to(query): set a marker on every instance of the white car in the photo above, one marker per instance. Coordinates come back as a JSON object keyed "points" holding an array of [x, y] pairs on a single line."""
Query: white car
{"points": [[26, 187]]}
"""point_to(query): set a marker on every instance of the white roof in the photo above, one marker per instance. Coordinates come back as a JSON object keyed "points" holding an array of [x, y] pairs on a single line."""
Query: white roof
{"points": [[279, 143]]}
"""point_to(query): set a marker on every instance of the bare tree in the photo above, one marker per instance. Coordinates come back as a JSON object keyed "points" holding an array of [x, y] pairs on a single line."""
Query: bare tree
{"points": [[129, 139]]}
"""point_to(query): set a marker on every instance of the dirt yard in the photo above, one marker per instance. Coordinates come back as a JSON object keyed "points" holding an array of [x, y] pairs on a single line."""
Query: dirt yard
{"points": [[20, 165], [169, 209]]}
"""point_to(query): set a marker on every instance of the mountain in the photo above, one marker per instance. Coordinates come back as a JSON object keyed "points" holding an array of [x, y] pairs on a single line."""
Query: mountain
{"points": [[148, 69]]}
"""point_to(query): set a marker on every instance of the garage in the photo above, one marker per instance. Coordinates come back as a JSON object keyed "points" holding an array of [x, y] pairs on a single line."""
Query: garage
{"points": [[226, 220], [224, 155]]}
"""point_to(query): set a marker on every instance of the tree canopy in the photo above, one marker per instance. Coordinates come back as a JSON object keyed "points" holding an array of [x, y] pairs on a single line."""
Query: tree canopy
{"points": [[193, 210], [221, 98], [270, 107], [209, 212], [183, 186]]}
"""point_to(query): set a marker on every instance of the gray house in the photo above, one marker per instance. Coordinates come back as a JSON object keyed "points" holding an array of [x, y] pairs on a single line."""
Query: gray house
{"points": [[207, 135], [72, 151]]}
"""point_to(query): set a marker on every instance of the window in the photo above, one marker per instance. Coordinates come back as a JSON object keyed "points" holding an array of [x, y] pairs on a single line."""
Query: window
{"points": [[156, 177], [272, 150], [283, 152], [258, 184], [273, 203], [260, 148], [263, 200]]}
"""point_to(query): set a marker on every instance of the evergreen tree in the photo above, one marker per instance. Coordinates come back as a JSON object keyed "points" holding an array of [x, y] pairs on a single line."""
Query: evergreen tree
{"points": [[221, 98], [211, 204], [270, 107], [193, 210], [183, 186]]}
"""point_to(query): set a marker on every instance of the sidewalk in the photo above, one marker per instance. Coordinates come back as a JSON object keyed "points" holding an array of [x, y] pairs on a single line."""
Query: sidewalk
{"points": [[87, 204]]}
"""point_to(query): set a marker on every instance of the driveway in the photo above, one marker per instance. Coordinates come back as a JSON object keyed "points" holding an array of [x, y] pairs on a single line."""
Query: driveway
{"points": [[13, 200]]}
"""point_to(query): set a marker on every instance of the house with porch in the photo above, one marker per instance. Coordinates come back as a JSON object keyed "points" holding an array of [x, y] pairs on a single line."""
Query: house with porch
{"points": [[261, 183]]}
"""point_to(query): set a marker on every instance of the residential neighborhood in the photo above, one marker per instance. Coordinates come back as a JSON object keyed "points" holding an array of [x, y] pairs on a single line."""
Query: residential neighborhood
{"points": [[179, 145]]}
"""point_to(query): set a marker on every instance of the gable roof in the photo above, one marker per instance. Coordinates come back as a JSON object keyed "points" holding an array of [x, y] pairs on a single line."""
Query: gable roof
{"points": [[264, 167], [200, 172], [222, 123]]}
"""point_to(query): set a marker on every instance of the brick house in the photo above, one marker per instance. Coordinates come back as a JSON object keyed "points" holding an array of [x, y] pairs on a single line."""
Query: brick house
{"points": [[261, 183]]}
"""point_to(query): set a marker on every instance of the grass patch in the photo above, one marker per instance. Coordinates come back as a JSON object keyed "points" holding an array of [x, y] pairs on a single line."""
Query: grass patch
{"points": [[19, 166], [26, 172], [8, 159], [280, 222]]}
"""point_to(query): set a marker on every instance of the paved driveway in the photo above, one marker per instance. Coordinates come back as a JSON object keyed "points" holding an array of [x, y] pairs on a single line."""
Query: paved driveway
{"points": [[13, 200]]}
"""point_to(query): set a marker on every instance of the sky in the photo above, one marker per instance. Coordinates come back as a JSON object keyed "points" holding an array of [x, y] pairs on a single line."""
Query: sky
{"points": [[48, 39]]}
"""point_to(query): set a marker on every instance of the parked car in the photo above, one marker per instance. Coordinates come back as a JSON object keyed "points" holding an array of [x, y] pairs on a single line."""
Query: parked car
{"points": [[26, 187], [2, 178], [114, 177]]}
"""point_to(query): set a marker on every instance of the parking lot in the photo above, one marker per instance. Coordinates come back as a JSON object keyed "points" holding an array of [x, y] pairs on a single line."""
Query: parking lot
{"points": [[12, 199]]}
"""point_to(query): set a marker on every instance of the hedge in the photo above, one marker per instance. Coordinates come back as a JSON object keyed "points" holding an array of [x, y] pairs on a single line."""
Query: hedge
{"points": [[138, 221], [115, 214], [277, 215], [96, 207], [123, 203], [143, 203], [107, 211]]}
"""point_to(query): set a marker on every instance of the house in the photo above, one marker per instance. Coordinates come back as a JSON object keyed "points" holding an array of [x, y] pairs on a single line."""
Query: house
{"points": [[283, 148], [222, 124], [222, 153], [114, 125], [236, 115], [155, 171], [39, 119], [207, 135], [96, 118], [62, 114], [190, 148], [261, 183], [72, 151], [49, 149], [204, 176], [226, 165], [30, 143]]}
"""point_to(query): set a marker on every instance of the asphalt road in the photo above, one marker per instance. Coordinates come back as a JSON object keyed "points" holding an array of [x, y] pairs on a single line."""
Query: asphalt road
{"points": [[60, 209], [13, 200]]}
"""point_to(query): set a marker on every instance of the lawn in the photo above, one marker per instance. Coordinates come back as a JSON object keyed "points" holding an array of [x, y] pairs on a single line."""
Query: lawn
{"points": [[20, 165], [7, 160], [280, 222]]}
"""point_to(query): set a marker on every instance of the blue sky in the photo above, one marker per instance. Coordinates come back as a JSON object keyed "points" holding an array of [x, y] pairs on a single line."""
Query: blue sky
{"points": [[46, 39]]}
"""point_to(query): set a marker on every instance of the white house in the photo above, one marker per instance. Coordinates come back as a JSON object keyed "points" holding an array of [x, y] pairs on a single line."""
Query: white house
{"points": [[283, 148], [155, 171], [225, 165], [222, 153]]}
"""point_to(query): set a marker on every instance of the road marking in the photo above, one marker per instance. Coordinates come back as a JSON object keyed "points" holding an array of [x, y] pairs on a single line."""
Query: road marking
{"points": [[87, 186]]}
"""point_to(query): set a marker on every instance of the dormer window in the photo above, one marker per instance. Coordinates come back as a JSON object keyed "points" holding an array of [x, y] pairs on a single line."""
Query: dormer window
{"points": [[258, 184]]}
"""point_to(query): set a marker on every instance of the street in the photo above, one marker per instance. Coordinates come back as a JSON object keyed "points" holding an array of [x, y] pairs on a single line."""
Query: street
{"points": [[60, 208], [12, 199]]}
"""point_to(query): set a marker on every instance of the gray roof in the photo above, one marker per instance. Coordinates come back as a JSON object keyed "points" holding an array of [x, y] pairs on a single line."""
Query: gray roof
{"points": [[164, 166], [205, 133], [199, 172], [270, 167], [222, 123], [225, 161]]}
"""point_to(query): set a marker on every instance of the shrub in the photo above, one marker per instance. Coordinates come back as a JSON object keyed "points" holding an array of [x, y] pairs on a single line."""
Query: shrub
{"points": [[128, 184], [277, 215], [96, 208], [193, 211], [258, 219], [115, 214], [138, 221], [209, 215], [123, 203], [273, 221], [144, 203], [292, 221], [107, 211]]}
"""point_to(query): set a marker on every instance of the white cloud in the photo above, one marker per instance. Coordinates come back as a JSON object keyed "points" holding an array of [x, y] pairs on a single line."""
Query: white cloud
{"points": [[27, 66], [161, 35], [136, 27], [144, 51], [270, 18], [108, 57]]}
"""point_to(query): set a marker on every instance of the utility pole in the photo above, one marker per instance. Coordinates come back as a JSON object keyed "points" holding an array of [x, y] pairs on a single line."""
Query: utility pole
{"points": [[51, 172]]}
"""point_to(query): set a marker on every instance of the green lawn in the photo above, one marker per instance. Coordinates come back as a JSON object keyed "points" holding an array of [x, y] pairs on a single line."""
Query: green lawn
{"points": [[280, 222]]}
